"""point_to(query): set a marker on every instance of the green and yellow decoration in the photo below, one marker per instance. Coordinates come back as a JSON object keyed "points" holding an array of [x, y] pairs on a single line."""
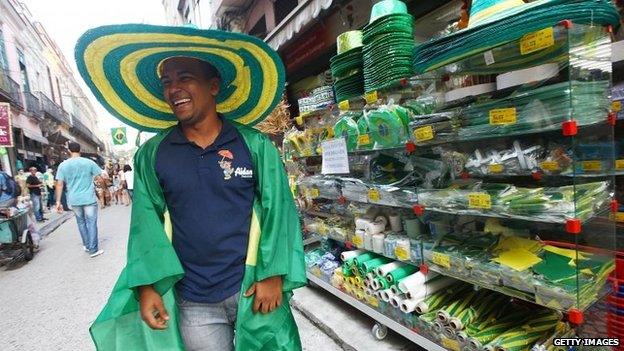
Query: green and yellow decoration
{"points": [[119, 136]]}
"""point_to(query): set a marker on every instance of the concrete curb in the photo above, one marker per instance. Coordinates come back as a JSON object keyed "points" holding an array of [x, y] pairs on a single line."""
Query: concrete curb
{"points": [[322, 326], [53, 225]]}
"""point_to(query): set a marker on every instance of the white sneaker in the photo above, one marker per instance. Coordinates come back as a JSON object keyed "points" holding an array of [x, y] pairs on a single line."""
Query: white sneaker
{"points": [[85, 248], [97, 253]]}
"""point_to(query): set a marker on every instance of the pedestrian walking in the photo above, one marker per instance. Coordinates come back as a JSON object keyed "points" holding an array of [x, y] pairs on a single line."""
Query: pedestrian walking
{"points": [[226, 267], [78, 173], [129, 178], [34, 187], [48, 180]]}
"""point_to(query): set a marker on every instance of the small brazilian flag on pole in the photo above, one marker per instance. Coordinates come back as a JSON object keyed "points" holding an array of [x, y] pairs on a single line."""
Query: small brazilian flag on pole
{"points": [[119, 135]]}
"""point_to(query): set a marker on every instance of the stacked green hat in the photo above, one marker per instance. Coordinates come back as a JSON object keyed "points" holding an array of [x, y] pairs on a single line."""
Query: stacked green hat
{"points": [[388, 45], [496, 22], [346, 67]]}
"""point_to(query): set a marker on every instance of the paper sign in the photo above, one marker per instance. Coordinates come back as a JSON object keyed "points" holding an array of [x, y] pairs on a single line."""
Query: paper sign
{"points": [[592, 166], [441, 260], [335, 157], [489, 57], [619, 165], [537, 41], [449, 344], [373, 195], [423, 133], [401, 253], [343, 105], [496, 168], [549, 166], [479, 200], [371, 97], [363, 140], [503, 116]]}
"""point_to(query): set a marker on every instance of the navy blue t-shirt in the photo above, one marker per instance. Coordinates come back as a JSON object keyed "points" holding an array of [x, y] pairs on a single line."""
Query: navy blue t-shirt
{"points": [[209, 194]]}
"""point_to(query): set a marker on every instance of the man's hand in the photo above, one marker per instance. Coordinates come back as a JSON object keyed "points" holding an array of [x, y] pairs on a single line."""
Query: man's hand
{"points": [[153, 311], [268, 294], [59, 207]]}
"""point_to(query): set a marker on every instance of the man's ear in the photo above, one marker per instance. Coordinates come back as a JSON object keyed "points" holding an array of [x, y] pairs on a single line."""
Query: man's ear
{"points": [[215, 84]]}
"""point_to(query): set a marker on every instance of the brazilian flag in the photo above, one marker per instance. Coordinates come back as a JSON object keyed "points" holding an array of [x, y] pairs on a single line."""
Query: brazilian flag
{"points": [[119, 136]]}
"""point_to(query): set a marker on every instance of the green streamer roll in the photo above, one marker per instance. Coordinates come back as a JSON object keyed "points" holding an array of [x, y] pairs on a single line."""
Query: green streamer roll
{"points": [[358, 260], [347, 127], [401, 272], [383, 284], [386, 129], [369, 266]]}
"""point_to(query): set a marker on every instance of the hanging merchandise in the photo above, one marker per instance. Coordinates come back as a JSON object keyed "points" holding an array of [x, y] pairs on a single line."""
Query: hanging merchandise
{"points": [[388, 45]]}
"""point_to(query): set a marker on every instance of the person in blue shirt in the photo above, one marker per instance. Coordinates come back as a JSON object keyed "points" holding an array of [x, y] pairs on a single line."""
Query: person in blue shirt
{"points": [[6, 199], [78, 173]]}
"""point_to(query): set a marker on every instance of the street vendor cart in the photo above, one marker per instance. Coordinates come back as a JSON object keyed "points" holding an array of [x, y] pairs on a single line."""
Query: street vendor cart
{"points": [[17, 240]]}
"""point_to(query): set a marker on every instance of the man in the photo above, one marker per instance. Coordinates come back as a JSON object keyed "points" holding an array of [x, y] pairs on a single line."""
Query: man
{"points": [[7, 198], [215, 245], [34, 187], [78, 173], [48, 179]]}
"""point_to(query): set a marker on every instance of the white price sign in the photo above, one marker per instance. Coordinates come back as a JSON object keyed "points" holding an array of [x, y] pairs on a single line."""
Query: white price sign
{"points": [[335, 157]]}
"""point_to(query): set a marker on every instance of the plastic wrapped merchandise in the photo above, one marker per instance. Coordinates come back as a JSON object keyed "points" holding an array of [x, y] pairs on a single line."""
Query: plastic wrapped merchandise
{"points": [[424, 105], [386, 129], [354, 190], [378, 243], [364, 139], [358, 239], [557, 160], [318, 186], [413, 227], [347, 127], [390, 244], [518, 160], [433, 128], [402, 250]]}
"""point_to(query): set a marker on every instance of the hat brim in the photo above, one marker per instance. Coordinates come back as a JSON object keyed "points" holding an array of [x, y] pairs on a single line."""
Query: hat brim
{"points": [[120, 65]]}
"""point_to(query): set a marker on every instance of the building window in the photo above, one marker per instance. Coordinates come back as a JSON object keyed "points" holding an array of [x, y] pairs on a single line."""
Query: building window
{"points": [[51, 85], [23, 71], [58, 86], [282, 8], [3, 59]]}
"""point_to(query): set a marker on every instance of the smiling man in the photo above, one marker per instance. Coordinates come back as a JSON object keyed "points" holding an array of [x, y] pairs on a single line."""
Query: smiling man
{"points": [[215, 247]]}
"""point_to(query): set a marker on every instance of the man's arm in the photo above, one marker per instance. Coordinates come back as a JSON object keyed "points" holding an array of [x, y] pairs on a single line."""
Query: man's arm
{"points": [[58, 191]]}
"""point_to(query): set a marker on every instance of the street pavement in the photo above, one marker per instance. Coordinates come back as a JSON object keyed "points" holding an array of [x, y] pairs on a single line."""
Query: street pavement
{"points": [[49, 302]]}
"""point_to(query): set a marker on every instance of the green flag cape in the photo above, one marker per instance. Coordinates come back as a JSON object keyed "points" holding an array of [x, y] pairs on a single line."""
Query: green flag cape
{"points": [[275, 248]]}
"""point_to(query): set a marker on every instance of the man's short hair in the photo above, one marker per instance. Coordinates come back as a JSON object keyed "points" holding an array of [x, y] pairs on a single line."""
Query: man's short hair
{"points": [[209, 70], [74, 147]]}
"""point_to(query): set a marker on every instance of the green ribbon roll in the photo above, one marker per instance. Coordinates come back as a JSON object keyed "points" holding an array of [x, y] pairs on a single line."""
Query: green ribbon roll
{"points": [[347, 127], [382, 283], [369, 266], [358, 260], [394, 276], [386, 129]]}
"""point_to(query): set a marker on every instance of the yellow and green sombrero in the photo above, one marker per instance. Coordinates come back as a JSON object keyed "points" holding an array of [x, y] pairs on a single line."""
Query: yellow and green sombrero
{"points": [[120, 64]]}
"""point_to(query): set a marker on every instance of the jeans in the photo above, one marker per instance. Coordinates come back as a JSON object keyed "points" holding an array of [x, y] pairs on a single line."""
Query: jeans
{"points": [[208, 326], [130, 193], [50, 197], [86, 216], [36, 201]]}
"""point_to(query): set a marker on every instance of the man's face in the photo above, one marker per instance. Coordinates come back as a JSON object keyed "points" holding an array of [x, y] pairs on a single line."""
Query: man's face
{"points": [[187, 89], [33, 171]]}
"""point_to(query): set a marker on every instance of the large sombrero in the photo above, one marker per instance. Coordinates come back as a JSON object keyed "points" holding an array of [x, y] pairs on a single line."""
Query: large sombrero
{"points": [[120, 65], [496, 22]]}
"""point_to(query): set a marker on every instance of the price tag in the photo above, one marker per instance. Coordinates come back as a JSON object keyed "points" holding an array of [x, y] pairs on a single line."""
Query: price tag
{"points": [[402, 254], [323, 230], [479, 200], [364, 139], [619, 216], [536, 41], [592, 166], [549, 166], [314, 193], [619, 165], [371, 97], [299, 120], [423, 133], [616, 106], [357, 241], [344, 105], [441, 260], [372, 300], [449, 344], [373, 195], [503, 116], [489, 57], [496, 168]]}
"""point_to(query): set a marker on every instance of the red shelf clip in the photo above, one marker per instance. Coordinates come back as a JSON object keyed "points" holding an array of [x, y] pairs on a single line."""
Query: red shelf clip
{"points": [[342, 200], [612, 118], [410, 147], [537, 175], [573, 226], [465, 175], [575, 316], [419, 210], [609, 28], [348, 245], [424, 269], [614, 206], [403, 82], [567, 24], [569, 128]]}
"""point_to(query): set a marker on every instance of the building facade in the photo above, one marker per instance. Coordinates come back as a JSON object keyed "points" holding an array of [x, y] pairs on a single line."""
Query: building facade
{"points": [[48, 107]]}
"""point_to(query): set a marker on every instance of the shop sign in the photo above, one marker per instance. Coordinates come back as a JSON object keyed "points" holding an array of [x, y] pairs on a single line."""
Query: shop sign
{"points": [[311, 45], [6, 132]]}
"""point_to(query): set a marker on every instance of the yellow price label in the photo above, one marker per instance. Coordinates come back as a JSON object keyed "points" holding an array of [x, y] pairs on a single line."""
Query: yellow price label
{"points": [[479, 200], [371, 97], [496, 168], [619, 165], [423, 133], [323, 229], [314, 193], [503, 116], [374, 195], [619, 216], [549, 166], [372, 300], [402, 254], [364, 139], [536, 41], [592, 166], [449, 344], [357, 241], [616, 106], [299, 120], [344, 105], [441, 260]]}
